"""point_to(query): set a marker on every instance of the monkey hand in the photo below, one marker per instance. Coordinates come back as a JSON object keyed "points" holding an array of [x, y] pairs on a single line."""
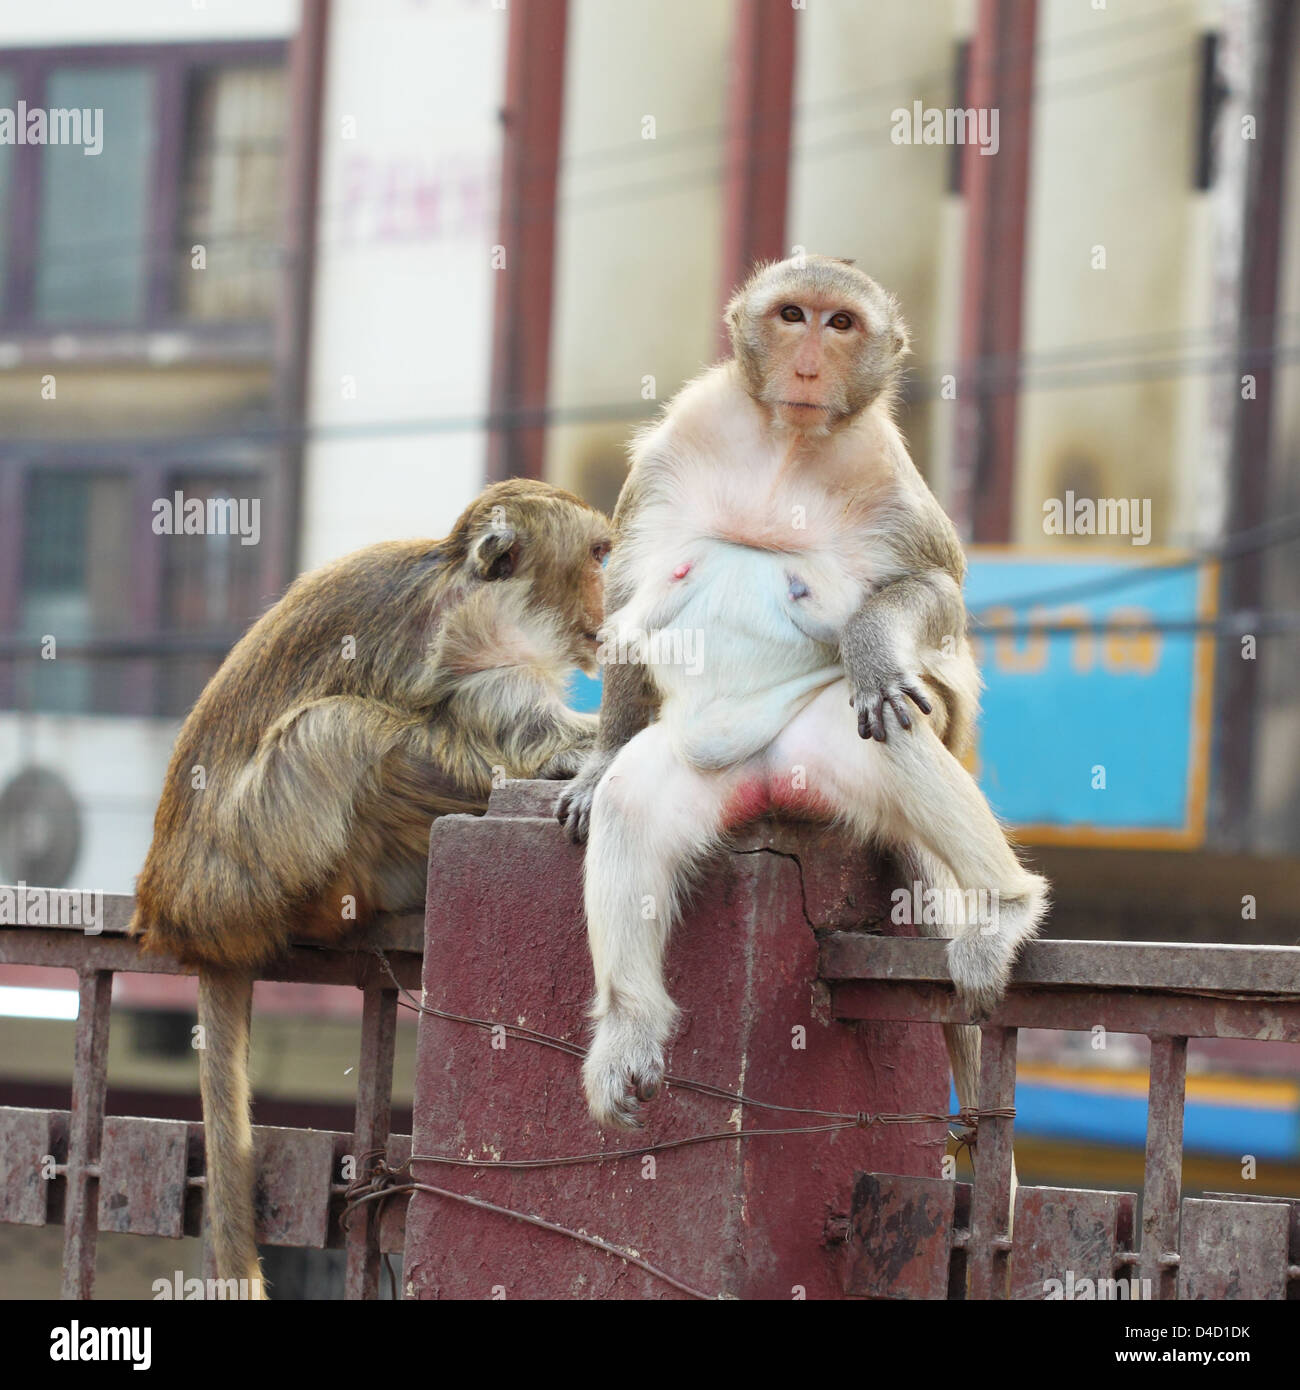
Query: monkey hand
{"points": [[876, 689], [574, 811]]}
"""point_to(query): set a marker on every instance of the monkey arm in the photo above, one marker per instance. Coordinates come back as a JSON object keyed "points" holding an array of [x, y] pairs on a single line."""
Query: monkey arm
{"points": [[628, 698], [628, 702], [881, 643], [512, 721]]}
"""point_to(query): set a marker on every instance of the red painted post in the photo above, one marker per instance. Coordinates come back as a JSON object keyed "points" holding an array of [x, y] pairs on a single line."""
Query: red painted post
{"points": [[764, 1217], [530, 154], [997, 196], [760, 107]]}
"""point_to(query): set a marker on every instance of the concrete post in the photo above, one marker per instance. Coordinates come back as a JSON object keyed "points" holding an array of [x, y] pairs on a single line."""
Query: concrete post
{"points": [[748, 1218]]}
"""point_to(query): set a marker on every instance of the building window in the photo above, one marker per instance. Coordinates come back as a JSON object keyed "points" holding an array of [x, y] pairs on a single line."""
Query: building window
{"points": [[76, 579], [92, 257], [211, 584], [191, 149], [233, 152], [114, 617]]}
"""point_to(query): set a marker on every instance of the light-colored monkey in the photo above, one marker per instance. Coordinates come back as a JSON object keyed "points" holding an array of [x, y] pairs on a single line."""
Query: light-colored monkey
{"points": [[773, 510], [381, 691]]}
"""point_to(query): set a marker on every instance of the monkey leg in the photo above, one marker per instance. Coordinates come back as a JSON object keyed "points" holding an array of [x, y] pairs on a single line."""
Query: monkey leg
{"points": [[653, 819], [911, 793]]}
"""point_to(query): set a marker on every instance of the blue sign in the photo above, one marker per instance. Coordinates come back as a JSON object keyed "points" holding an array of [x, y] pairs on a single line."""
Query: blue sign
{"points": [[1095, 715]]}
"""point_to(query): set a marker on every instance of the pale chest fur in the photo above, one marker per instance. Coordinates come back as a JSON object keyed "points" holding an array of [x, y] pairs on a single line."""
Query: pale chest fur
{"points": [[706, 492]]}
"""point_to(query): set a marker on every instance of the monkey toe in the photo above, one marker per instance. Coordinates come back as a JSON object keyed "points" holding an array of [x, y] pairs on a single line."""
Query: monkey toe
{"points": [[624, 1070]]}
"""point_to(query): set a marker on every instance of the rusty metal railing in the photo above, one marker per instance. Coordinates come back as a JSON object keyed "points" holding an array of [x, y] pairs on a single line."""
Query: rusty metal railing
{"points": [[909, 1236], [144, 1176], [942, 1239]]}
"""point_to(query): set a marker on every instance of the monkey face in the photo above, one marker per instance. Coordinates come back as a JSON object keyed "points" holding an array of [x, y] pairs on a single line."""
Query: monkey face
{"points": [[816, 341], [588, 615], [529, 534]]}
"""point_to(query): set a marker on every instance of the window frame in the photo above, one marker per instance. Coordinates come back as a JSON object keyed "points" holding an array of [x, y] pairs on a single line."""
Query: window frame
{"points": [[148, 478], [174, 64]]}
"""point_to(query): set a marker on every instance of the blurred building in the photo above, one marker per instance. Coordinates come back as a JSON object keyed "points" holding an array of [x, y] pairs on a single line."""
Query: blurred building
{"points": [[352, 258]]}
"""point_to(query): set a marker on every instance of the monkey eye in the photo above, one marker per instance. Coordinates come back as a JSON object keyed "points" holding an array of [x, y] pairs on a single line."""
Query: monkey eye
{"points": [[600, 551], [792, 313], [842, 321]]}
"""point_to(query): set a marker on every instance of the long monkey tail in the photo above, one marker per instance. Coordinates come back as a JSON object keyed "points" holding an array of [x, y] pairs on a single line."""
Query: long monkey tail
{"points": [[225, 1007], [961, 1039]]}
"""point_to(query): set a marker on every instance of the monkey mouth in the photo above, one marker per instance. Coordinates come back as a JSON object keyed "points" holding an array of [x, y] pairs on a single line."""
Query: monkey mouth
{"points": [[803, 405]]}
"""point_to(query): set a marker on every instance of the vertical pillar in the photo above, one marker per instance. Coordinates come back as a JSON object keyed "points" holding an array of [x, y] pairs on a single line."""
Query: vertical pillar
{"points": [[85, 1133], [1163, 1184], [759, 112], [505, 943], [521, 327], [293, 324], [1001, 76], [1259, 232], [990, 1243], [373, 1121]]}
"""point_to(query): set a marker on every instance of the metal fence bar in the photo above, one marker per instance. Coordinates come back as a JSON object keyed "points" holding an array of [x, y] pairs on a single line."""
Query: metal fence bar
{"points": [[990, 1242], [1134, 1010], [1151, 966], [1163, 1183], [85, 1133], [373, 1121]]}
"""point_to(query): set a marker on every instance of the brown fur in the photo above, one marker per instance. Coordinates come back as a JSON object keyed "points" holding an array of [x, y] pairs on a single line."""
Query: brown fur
{"points": [[322, 774]]}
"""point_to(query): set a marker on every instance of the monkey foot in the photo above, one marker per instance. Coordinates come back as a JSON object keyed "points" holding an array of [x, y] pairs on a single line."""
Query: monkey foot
{"points": [[980, 960], [623, 1070]]}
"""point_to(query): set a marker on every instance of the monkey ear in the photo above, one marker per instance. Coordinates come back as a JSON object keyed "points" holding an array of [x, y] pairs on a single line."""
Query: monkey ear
{"points": [[495, 553]]}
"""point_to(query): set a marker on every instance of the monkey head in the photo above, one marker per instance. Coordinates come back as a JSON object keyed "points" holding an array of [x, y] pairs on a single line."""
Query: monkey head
{"points": [[529, 534], [816, 341]]}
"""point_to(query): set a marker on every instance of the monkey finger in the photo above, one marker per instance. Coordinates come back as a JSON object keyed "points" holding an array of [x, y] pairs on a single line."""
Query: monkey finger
{"points": [[917, 699], [899, 706], [876, 717]]}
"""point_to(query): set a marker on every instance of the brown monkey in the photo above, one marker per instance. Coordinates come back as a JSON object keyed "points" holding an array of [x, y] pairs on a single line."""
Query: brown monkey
{"points": [[773, 514], [381, 691]]}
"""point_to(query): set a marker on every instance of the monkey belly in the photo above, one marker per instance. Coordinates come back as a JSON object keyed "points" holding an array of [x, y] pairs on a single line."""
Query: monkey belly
{"points": [[753, 647]]}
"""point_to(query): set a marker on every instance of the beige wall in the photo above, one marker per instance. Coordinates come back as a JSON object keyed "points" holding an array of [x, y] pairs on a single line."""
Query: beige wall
{"points": [[639, 227], [856, 193], [637, 289], [1112, 157]]}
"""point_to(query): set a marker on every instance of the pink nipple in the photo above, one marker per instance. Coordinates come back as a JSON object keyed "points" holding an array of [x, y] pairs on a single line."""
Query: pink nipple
{"points": [[682, 570]]}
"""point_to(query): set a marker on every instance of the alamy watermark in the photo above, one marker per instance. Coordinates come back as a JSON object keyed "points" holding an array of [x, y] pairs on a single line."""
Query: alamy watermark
{"points": [[59, 125], [946, 125], [945, 907], [192, 1290], [664, 647], [179, 515], [21, 906], [1098, 516], [1083, 1288]]}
